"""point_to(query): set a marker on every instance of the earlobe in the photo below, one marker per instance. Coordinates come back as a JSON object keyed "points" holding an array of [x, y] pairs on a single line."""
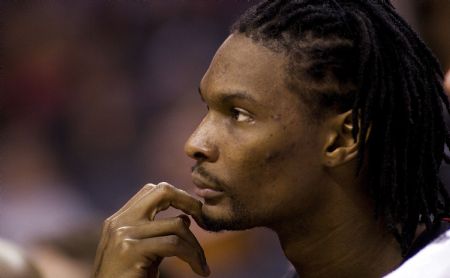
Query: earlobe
{"points": [[340, 146]]}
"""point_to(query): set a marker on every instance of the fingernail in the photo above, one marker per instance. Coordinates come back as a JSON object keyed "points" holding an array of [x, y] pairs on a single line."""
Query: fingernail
{"points": [[206, 269]]}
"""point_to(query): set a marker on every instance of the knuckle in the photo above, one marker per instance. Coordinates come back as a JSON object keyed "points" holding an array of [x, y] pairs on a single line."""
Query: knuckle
{"points": [[179, 223], [114, 230], [164, 188], [149, 186], [108, 224], [111, 224], [173, 240], [126, 245], [121, 232], [163, 183], [140, 266]]}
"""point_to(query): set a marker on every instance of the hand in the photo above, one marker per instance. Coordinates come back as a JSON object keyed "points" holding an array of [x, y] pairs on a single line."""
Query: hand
{"points": [[133, 243]]}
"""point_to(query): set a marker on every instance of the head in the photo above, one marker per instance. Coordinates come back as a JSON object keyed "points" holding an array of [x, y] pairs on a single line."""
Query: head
{"points": [[254, 143], [301, 88]]}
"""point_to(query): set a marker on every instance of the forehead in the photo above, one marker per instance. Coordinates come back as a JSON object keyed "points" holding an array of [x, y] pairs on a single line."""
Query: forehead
{"points": [[240, 64]]}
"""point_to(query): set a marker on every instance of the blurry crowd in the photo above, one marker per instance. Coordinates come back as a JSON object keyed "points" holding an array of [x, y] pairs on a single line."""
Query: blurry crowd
{"points": [[97, 99]]}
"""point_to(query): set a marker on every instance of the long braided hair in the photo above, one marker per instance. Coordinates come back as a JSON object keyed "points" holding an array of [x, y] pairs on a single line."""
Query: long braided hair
{"points": [[361, 55]]}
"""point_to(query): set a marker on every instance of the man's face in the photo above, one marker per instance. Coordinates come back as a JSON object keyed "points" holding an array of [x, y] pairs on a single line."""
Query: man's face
{"points": [[258, 159]]}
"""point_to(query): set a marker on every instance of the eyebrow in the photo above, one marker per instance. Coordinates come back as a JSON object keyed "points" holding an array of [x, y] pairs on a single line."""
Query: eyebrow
{"points": [[226, 96]]}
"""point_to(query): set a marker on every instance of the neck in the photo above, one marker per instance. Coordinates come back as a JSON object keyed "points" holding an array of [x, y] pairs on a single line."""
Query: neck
{"points": [[340, 239]]}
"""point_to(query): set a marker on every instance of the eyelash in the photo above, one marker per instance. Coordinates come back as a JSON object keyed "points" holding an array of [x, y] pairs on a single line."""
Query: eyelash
{"points": [[236, 112]]}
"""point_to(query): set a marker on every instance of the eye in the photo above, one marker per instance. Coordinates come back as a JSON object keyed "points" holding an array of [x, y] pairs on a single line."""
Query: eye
{"points": [[241, 115]]}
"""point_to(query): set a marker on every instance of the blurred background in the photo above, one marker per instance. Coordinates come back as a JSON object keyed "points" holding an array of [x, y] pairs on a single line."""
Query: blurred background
{"points": [[97, 99]]}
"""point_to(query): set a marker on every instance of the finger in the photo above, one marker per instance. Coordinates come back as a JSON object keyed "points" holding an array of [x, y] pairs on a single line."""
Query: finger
{"points": [[170, 196], [110, 221], [169, 246], [128, 237], [185, 219], [161, 197], [146, 189], [164, 227]]}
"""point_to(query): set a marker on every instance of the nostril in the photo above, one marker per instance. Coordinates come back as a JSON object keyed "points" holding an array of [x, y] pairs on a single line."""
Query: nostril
{"points": [[199, 156]]}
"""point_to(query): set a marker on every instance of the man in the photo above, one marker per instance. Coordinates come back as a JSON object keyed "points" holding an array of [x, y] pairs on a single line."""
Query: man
{"points": [[325, 124]]}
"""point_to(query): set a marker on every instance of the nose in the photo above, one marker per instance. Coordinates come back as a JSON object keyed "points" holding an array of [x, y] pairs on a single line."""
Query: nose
{"points": [[200, 147]]}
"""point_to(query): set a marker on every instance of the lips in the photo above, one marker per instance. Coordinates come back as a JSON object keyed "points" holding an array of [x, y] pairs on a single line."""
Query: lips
{"points": [[205, 190]]}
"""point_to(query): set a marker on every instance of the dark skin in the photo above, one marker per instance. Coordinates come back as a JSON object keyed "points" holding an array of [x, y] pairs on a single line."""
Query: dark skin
{"points": [[260, 162]]}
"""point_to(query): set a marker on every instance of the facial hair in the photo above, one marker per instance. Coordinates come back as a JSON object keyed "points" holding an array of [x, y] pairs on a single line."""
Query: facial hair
{"points": [[240, 217]]}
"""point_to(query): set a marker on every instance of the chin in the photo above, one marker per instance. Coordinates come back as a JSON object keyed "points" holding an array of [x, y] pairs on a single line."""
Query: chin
{"points": [[218, 218]]}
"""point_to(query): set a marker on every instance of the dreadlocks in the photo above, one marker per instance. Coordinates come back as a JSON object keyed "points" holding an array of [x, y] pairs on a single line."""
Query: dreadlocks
{"points": [[361, 55]]}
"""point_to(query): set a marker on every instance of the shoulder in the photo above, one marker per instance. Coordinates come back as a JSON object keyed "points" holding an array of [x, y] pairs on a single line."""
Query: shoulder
{"points": [[431, 261]]}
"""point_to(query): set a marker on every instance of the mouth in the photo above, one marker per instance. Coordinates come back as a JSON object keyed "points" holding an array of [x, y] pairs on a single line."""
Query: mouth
{"points": [[204, 189]]}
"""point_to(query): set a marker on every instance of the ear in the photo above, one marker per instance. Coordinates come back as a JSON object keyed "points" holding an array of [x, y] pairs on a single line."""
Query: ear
{"points": [[340, 147]]}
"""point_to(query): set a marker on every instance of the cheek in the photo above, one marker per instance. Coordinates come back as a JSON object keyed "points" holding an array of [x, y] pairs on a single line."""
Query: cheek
{"points": [[263, 164], [276, 157], [274, 170]]}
